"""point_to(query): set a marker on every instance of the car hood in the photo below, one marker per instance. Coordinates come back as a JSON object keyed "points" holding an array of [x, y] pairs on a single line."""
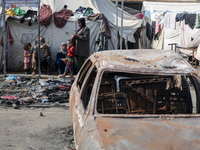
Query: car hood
{"points": [[131, 133]]}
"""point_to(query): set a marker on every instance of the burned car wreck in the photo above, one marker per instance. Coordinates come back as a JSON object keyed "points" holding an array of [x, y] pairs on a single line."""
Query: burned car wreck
{"points": [[136, 99]]}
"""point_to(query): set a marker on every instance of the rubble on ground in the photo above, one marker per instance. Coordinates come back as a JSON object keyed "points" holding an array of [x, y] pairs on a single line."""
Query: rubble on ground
{"points": [[26, 91]]}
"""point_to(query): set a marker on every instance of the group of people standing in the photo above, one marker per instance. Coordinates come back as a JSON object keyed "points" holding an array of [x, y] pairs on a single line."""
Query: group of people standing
{"points": [[77, 46]]}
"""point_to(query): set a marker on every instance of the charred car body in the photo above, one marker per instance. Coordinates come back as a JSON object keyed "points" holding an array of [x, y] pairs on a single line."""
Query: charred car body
{"points": [[136, 99]]}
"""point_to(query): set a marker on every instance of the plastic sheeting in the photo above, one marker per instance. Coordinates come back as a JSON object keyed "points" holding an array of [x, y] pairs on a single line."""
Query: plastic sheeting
{"points": [[171, 6], [171, 36], [54, 36], [23, 3], [131, 23]]}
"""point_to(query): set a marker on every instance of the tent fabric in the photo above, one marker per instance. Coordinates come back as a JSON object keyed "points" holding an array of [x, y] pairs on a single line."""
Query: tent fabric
{"points": [[105, 27], [131, 23], [130, 10], [55, 36], [13, 3], [153, 9], [158, 44], [171, 36], [171, 6], [189, 37]]}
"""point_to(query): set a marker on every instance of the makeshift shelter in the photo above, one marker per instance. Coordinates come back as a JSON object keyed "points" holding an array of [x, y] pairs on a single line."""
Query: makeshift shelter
{"points": [[176, 35], [54, 36]]}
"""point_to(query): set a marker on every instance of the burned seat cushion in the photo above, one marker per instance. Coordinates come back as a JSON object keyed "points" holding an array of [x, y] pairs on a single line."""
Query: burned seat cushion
{"points": [[113, 103], [173, 101]]}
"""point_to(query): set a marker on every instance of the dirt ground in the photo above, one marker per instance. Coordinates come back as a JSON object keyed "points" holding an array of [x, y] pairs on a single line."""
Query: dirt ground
{"points": [[36, 129]]}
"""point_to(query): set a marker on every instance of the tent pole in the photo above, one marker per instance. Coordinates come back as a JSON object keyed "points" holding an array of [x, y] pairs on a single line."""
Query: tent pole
{"points": [[4, 37], [122, 9], [39, 43], [143, 36], [74, 21], [117, 22]]}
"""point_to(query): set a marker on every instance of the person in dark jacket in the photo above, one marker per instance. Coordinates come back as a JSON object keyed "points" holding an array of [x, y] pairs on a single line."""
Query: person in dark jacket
{"points": [[82, 38], [62, 53]]}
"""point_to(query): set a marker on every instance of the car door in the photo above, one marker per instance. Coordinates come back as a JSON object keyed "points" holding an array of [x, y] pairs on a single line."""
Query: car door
{"points": [[76, 87], [89, 129], [196, 93], [79, 107]]}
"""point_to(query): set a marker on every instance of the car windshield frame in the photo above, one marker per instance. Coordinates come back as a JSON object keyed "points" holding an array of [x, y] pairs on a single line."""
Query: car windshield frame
{"points": [[161, 116]]}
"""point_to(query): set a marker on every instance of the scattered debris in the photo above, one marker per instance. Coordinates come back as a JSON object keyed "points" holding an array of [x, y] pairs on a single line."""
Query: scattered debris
{"points": [[41, 114], [12, 77], [26, 91], [43, 83], [15, 106], [10, 97], [33, 147]]}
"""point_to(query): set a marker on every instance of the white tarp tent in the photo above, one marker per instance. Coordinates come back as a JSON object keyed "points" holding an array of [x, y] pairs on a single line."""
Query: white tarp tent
{"points": [[170, 6], [168, 36], [55, 36]]}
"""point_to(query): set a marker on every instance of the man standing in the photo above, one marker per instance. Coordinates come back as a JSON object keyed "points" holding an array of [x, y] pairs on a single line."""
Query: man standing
{"points": [[45, 56]]}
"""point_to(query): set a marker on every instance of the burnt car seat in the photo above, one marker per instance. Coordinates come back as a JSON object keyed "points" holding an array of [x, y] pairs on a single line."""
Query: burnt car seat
{"points": [[173, 101], [113, 103]]}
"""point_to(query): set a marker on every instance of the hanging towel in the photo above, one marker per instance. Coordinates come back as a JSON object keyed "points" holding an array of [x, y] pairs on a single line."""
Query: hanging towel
{"points": [[158, 21], [197, 21], [61, 17], [180, 16], [190, 20], [170, 21], [149, 31]]}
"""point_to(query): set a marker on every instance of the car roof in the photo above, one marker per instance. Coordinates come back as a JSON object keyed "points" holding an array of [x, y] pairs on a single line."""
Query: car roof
{"points": [[156, 61]]}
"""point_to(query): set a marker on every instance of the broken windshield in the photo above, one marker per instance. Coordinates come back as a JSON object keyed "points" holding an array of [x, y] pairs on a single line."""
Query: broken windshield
{"points": [[125, 93]]}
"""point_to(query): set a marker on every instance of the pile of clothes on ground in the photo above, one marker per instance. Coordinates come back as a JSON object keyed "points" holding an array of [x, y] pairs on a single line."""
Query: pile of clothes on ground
{"points": [[26, 91]]}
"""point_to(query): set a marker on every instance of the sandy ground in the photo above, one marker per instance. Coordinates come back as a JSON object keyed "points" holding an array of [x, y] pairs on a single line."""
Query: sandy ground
{"points": [[26, 129]]}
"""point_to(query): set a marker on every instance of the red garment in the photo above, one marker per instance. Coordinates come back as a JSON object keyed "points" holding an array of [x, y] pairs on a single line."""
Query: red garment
{"points": [[45, 15], [140, 16], [71, 51], [10, 38], [10, 97], [64, 87], [61, 17]]}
